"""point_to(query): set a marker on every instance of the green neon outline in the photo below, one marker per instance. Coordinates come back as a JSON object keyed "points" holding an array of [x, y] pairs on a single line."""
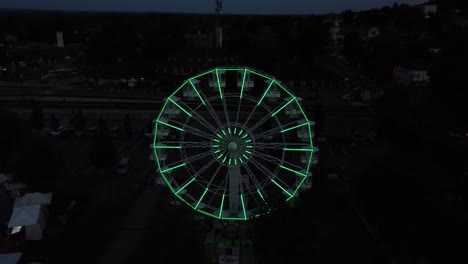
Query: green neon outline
{"points": [[281, 187], [261, 196], [266, 91], [281, 108], [259, 74], [222, 204], [302, 110], [243, 206], [290, 128], [173, 168], [286, 90], [166, 147], [219, 84], [298, 149], [294, 171], [164, 123], [230, 69], [196, 91], [206, 213], [185, 185], [243, 83], [201, 198], [201, 74], [297, 189], [176, 104]]}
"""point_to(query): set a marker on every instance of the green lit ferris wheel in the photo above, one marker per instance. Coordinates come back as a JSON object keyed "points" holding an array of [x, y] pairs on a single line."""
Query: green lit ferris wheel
{"points": [[233, 143]]}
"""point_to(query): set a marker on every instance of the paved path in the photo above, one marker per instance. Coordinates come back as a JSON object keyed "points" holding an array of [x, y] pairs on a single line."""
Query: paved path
{"points": [[133, 228]]}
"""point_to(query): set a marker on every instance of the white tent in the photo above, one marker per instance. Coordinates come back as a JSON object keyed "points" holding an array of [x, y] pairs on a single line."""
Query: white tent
{"points": [[31, 217], [33, 198], [10, 258]]}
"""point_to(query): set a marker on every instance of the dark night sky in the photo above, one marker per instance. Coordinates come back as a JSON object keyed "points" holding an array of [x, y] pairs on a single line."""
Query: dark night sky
{"points": [[207, 6]]}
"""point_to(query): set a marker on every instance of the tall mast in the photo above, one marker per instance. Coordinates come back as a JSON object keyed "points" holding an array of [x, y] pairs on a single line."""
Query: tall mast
{"points": [[219, 29]]}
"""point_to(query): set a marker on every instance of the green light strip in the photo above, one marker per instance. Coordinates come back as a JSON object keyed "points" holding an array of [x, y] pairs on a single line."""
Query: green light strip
{"points": [[249, 146], [240, 132], [290, 101], [224, 159], [222, 204], [248, 151], [202, 74], [259, 74], [235, 131], [230, 160], [265, 93], [175, 167], [261, 196], [214, 139], [281, 187], [230, 69], [219, 136], [164, 123], [287, 129], [302, 110], [224, 132], [176, 104], [216, 146], [185, 185], [208, 214], [291, 170], [220, 155], [298, 149], [219, 84], [217, 151], [245, 135], [241, 161], [245, 156], [235, 162], [243, 206], [286, 90], [229, 130], [196, 91], [167, 147], [243, 83], [247, 141], [201, 198], [297, 189]]}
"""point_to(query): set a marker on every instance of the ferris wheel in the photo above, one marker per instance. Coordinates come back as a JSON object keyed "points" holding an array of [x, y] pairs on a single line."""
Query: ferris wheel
{"points": [[233, 143]]}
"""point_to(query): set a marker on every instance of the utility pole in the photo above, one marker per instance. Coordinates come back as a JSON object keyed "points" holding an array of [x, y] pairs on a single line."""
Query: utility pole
{"points": [[219, 29]]}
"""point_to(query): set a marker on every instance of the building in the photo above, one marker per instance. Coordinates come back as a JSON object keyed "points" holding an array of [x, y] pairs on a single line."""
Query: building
{"points": [[414, 75]]}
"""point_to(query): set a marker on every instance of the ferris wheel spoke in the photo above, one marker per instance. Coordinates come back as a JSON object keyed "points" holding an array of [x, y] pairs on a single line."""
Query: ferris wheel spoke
{"points": [[276, 180], [195, 145], [279, 129], [200, 119], [195, 176], [208, 186], [193, 130], [252, 176], [197, 157], [281, 145], [276, 161]]}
